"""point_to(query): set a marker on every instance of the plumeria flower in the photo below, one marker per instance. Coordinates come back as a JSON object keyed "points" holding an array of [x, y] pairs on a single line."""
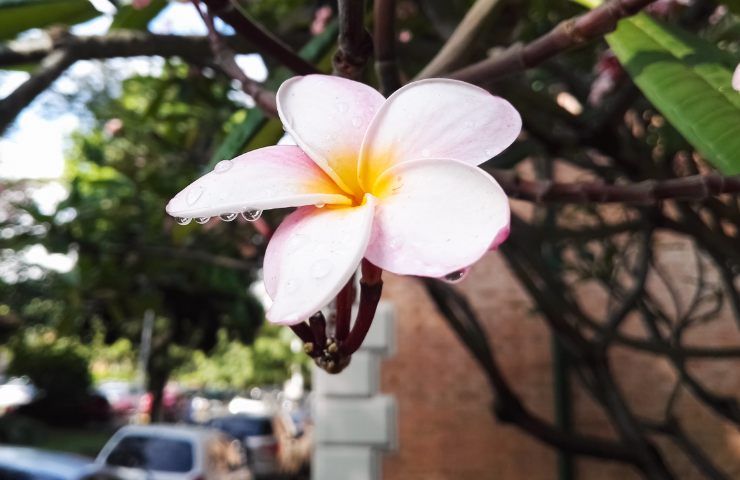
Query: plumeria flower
{"points": [[392, 180]]}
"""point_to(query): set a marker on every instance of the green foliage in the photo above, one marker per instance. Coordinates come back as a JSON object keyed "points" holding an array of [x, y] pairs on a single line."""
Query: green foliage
{"points": [[17, 16], [233, 365], [58, 366], [688, 80], [132, 18]]}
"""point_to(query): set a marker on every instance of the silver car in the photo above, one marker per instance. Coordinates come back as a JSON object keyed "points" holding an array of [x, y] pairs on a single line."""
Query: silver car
{"points": [[169, 452]]}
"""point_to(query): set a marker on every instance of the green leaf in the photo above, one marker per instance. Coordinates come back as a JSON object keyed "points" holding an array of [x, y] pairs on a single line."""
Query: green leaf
{"points": [[687, 79], [131, 18], [17, 16]]}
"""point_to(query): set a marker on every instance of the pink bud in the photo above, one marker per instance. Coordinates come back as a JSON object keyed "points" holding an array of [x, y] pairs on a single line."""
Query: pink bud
{"points": [[140, 4]]}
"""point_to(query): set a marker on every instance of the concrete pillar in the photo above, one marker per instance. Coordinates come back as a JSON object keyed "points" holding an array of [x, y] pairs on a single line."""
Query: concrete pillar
{"points": [[354, 423]]}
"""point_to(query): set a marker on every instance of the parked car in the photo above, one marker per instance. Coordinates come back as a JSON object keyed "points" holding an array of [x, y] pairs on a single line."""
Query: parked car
{"points": [[258, 437], [171, 452], [67, 411], [20, 463]]}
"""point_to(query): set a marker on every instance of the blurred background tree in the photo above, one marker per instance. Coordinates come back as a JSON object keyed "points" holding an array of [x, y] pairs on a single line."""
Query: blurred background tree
{"points": [[644, 120]]}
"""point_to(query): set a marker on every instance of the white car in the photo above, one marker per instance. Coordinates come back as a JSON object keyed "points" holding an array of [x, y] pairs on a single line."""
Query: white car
{"points": [[171, 452]]}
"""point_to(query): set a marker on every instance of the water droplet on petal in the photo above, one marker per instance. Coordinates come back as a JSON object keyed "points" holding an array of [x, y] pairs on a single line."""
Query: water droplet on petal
{"points": [[193, 194], [183, 220], [342, 107], [489, 153], [320, 205], [291, 285], [321, 268], [456, 276], [228, 217], [251, 215], [395, 243], [202, 220], [223, 166], [357, 121]]}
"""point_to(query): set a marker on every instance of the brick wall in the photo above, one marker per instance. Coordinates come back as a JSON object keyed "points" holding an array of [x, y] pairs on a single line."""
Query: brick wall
{"points": [[446, 430]]}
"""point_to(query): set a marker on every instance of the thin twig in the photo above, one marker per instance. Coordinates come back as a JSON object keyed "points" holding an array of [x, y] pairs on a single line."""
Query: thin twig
{"points": [[263, 40], [567, 34], [226, 59]]}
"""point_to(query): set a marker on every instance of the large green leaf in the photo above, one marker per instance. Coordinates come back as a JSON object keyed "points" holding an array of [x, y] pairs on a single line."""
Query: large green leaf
{"points": [[132, 18], [688, 80], [17, 16]]}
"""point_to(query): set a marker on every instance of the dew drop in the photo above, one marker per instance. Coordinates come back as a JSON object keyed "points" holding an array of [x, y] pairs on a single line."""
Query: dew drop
{"points": [[357, 121], [320, 205], [342, 107], [228, 217], [183, 220], [456, 276], [202, 220], [291, 286], [395, 243], [321, 268], [251, 215], [223, 166], [193, 195], [489, 152]]}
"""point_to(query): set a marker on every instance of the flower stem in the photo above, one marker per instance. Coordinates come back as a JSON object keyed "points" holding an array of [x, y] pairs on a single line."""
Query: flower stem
{"points": [[344, 309], [371, 286]]}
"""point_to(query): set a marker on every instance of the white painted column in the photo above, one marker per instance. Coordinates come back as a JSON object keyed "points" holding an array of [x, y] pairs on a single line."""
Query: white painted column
{"points": [[354, 423]]}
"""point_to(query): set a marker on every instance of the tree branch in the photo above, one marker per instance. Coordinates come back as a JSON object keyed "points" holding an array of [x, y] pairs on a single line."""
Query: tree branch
{"points": [[384, 37], [263, 40], [567, 34], [51, 68], [355, 45], [695, 187], [453, 51], [119, 43], [226, 59]]}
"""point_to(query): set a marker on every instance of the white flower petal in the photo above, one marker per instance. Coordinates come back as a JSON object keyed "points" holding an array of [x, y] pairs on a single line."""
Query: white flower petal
{"points": [[311, 256], [435, 217], [327, 117], [437, 118], [270, 177]]}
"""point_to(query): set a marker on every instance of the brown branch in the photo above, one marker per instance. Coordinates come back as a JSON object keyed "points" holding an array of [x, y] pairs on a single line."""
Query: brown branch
{"points": [[51, 68], [453, 51], [119, 43], [568, 34], [226, 59], [695, 187], [384, 38], [371, 286], [263, 40], [355, 45]]}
